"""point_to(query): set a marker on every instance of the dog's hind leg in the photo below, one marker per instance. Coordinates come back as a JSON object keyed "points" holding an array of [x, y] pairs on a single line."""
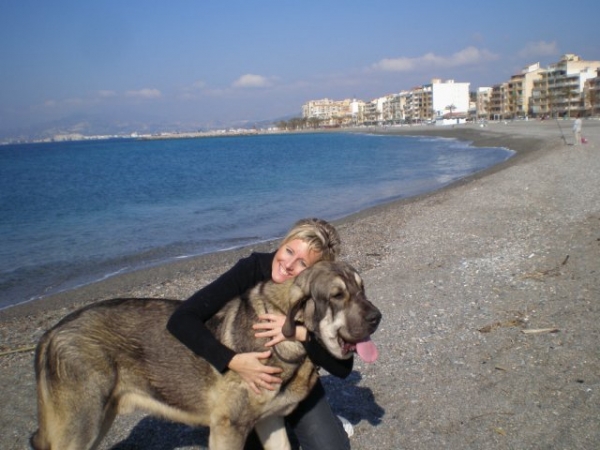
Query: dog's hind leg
{"points": [[272, 433], [75, 429], [72, 415], [107, 421]]}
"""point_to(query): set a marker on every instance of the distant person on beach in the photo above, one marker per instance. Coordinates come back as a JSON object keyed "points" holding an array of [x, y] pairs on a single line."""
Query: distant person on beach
{"points": [[577, 130], [310, 240]]}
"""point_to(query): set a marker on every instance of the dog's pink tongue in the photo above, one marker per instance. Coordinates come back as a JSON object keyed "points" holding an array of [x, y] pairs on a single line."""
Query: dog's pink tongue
{"points": [[367, 351]]}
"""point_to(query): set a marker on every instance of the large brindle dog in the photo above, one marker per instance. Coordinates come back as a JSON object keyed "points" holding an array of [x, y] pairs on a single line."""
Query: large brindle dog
{"points": [[116, 355]]}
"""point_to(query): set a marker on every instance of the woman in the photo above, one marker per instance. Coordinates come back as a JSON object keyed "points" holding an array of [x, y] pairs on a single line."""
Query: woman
{"points": [[309, 241]]}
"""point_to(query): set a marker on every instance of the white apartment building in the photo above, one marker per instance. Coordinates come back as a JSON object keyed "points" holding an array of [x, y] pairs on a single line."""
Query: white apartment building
{"points": [[394, 108], [436, 100], [385, 110], [357, 108], [449, 98], [329, 112], [376, 110]]}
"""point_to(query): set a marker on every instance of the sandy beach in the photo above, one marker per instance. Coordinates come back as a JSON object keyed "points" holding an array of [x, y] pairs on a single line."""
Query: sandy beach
{"points": [[489, 290]]}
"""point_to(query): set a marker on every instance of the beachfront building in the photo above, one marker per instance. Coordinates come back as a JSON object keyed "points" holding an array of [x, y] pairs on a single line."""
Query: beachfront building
{"points": [[357, 109], [376, 112], [512, 99], [388, 110], [498, 106], [394, 108], [329, 112], [439, 101], [519, 91], [370, 114], [450, 100], [591, 95], [418, 105], [559, 92], [482, 102]]}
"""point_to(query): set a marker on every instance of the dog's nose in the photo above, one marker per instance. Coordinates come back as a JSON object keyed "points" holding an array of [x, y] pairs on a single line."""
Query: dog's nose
{"points": [[373, 317]]}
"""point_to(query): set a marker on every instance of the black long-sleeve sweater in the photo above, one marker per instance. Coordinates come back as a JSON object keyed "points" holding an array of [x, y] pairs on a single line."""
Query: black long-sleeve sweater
{"points": [[188, 322]]}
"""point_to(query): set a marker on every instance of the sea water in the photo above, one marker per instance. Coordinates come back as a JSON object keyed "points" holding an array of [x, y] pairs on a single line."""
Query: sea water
{"points": [[75, 212]]}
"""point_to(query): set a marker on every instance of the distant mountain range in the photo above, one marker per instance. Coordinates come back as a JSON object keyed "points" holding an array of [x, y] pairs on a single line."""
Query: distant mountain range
{"points": [[100, 125]]}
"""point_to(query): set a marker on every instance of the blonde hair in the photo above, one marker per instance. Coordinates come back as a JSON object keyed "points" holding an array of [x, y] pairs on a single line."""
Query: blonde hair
{"points": [[321, 236]]}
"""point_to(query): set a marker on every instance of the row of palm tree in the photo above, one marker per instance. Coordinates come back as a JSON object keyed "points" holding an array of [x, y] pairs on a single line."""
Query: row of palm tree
{"points": [[299, 123]]}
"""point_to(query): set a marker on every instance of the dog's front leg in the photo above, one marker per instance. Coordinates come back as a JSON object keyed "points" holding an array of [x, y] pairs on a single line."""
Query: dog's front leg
{"points": [[226, 438], [272, 433]]}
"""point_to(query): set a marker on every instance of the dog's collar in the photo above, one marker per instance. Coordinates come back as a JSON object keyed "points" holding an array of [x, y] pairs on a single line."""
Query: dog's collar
{"points": [[296, 360]]}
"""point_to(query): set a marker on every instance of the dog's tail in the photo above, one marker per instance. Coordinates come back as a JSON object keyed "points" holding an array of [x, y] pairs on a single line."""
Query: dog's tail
{"points": [[38, 442], [39, 439]]}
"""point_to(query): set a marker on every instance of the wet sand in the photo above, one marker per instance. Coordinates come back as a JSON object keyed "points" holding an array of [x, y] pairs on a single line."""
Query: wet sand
{"points": [[489, 290]]}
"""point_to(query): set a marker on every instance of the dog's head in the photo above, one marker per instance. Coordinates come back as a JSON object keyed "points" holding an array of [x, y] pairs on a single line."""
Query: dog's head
{"points": [[329, 298]]}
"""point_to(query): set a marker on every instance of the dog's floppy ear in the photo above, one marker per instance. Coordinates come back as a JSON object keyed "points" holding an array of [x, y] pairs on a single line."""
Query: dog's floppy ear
{"points": [[299, 293], [297, 299]]}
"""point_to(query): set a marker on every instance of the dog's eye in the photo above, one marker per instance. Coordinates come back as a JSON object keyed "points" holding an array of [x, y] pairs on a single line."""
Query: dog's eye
{"points": [[338, 295]]}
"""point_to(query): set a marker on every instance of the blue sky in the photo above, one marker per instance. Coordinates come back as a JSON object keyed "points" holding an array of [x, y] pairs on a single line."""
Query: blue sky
{"points": [[194, 62]]}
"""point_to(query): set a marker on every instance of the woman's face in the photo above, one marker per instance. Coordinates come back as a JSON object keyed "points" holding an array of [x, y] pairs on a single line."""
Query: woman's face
{"points": [[291, 259]]}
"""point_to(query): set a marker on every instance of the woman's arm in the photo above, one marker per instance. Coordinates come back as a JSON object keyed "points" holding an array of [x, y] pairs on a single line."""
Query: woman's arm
{"points": [[188, 322]]}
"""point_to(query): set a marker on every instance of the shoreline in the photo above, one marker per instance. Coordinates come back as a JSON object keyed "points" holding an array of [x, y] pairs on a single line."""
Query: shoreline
{"points": [[489, 291], [117, 284]]}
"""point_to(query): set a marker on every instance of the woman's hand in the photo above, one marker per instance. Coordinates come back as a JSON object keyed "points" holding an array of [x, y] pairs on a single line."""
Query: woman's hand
{"points": [[271, 324], [254, 372]]}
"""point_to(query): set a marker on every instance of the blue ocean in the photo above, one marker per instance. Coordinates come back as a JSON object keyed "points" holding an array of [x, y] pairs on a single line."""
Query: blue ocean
{"points": [[76, 212]]}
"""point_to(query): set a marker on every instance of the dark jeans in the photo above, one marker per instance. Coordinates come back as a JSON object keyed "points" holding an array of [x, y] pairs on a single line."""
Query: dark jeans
{"points": [[314, 425]]}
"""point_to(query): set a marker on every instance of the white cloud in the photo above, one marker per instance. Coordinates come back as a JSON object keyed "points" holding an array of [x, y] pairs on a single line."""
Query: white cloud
{"points": [[106, 94], [465, 57], [144, 93], [252, 81], [74, 101], [198, 84], [62, 103], [540, 48], [193, 91]]}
